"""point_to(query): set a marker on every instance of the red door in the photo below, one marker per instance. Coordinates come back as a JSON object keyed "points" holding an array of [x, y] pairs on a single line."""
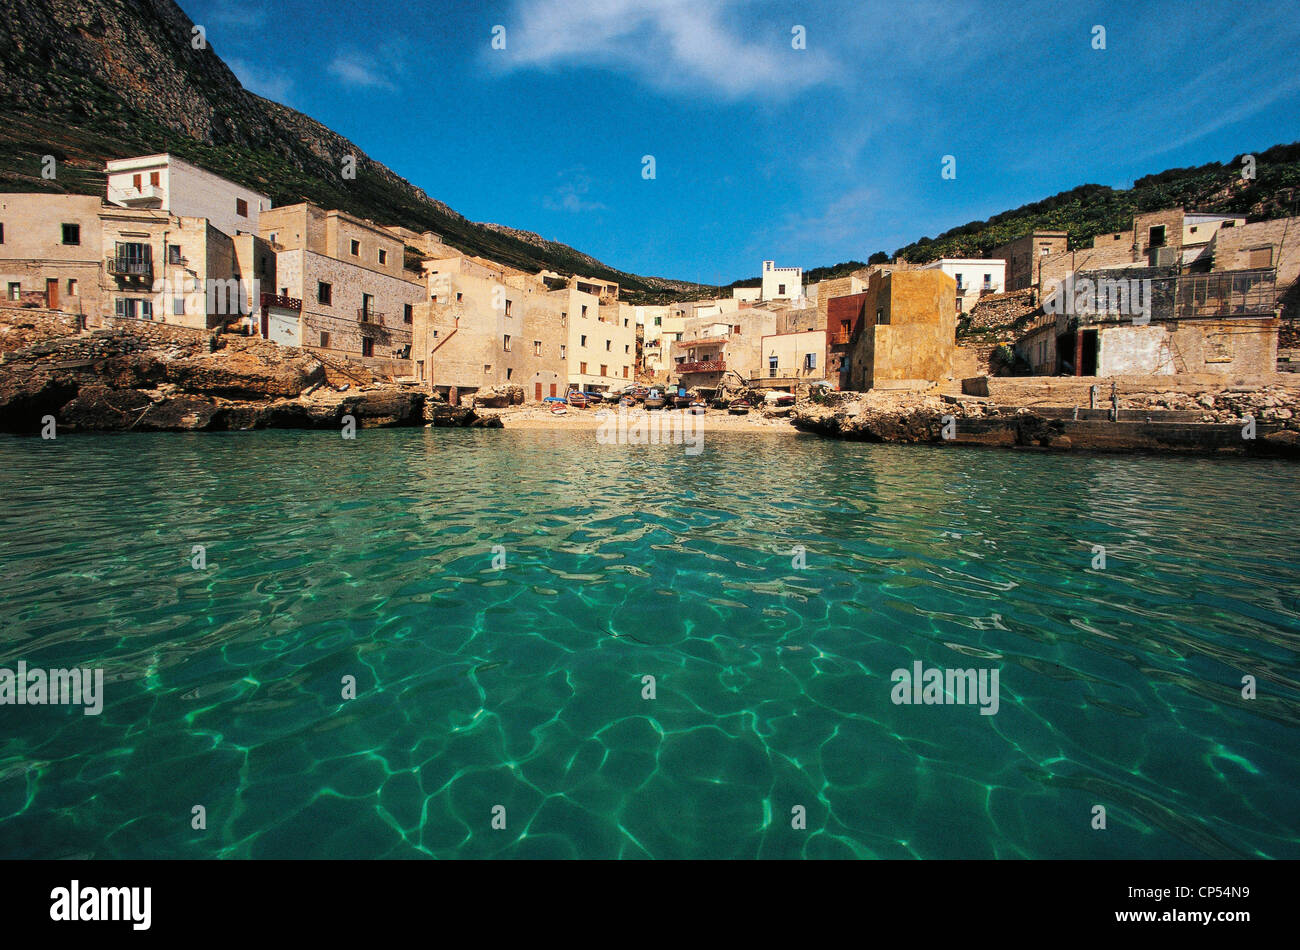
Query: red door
{"points": [[552, 389], [52, 293], [537, 392]]}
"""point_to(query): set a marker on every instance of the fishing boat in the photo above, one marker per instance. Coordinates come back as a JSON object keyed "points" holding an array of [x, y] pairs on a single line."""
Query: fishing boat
{"points": [[576, 399], [738, 407], [654, 399], [559, 409], [698, 406], [610, 396], [681, 400]]}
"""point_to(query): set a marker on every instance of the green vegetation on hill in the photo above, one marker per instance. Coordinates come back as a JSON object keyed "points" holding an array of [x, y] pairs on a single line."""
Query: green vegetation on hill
{"points": [[1089, 210]]}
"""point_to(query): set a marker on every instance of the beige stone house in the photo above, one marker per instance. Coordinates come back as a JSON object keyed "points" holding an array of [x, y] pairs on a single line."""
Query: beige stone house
{"points": [[349, 277], [51, 252], [483, 324]]}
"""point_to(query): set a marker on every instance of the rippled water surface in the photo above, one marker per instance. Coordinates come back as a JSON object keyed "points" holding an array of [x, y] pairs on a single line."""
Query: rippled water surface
{"points": [[523, 687]]}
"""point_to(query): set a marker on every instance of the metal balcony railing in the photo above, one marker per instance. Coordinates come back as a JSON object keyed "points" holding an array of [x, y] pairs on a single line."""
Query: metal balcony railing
{"points": [[130, 267], [370, 316], [281, 301], [703, 366]]}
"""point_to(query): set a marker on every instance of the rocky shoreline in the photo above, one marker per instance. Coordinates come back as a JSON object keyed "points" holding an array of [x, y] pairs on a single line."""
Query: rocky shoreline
{"points": [[146, 377], [1140, 422]]}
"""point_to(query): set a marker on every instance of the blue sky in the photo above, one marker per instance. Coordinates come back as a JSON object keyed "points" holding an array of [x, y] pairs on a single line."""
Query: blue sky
{"points": [[807, 156]]}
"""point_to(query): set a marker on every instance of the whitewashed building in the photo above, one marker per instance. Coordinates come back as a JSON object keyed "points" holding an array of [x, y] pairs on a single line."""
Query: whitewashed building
{"points": [[166, 183]]}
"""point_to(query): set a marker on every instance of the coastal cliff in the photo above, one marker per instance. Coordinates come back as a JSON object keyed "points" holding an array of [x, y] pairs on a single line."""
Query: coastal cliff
{"points": [[141, 376]]}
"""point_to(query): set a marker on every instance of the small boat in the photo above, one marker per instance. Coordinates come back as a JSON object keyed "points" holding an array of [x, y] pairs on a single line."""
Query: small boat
{"points": [[681, 400], [627, 401], [559, 409], [555, 399], [698, 406], [577, 400], [738, 407], [610, 396], [654, 399], [639, 392]]}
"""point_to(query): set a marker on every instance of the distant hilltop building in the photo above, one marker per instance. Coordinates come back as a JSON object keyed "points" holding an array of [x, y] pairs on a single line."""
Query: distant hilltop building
{"points": [[779, 283]]}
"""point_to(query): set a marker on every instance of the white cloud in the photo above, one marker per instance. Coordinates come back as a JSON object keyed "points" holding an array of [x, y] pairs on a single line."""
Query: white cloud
{"points": [[262, 82], [674, 44], [571, 195], [357, 69]]}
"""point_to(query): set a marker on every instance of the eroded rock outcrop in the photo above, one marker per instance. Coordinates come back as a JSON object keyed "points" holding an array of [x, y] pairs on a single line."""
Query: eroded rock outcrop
{"points": [[168, 379]]}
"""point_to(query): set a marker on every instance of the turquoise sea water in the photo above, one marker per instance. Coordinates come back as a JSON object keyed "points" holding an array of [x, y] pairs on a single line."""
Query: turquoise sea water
{"points": [[523, 688]]}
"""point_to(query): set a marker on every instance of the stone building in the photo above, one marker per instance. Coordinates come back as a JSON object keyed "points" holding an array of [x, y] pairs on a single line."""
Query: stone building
{"points": [[907, 333], [1024, 256], [51, 253], [485, 325], [974, 278], [357, 297], [166, 183], [601, 351]]}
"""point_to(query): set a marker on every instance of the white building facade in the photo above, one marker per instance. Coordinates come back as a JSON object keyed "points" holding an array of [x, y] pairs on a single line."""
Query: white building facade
{"points": [[166, 183], [975, 277]]}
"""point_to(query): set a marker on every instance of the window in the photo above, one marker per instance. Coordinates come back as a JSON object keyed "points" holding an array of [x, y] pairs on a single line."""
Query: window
{"points": [[367, 346], [155, 178], [241, 207], [15, 291], [1193, 229], [604, 369], [408, 313], [881, 319], [324, 340], [771, 366], [537, 347], [356, 248], [1043, 251], [507, 343], [324, 293], [174, 254], [627, 347], [563, 348], [584, 310], [72, 287], [72, 234], [507, 308], [1156, 236], [367, 307], [780, 288], [274, 238], [609, 346], [510, 371], [459, 296], [178, 306], [659, 321], [582, 368], [625, 370], [2, 233], [959, 281], [137, 182], [810, 361], [383, 256], [564, 318], [582, 340]]}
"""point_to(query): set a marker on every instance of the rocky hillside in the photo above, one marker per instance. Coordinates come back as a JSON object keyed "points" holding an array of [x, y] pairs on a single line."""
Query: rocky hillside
{"points": [[89, 80]]}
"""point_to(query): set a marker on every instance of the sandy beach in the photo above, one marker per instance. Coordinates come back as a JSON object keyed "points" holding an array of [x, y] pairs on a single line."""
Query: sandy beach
{"points": [[714, 420]]}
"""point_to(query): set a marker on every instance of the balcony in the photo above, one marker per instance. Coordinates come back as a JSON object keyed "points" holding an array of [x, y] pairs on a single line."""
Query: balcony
{"points": [[702, 366], [281, 301], [839, 339], [132, 197], [370, 316], [130, 267]]}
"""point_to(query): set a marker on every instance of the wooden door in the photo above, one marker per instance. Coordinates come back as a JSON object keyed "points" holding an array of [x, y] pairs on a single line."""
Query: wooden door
{"points": [[52, 293], [537, 392]]}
